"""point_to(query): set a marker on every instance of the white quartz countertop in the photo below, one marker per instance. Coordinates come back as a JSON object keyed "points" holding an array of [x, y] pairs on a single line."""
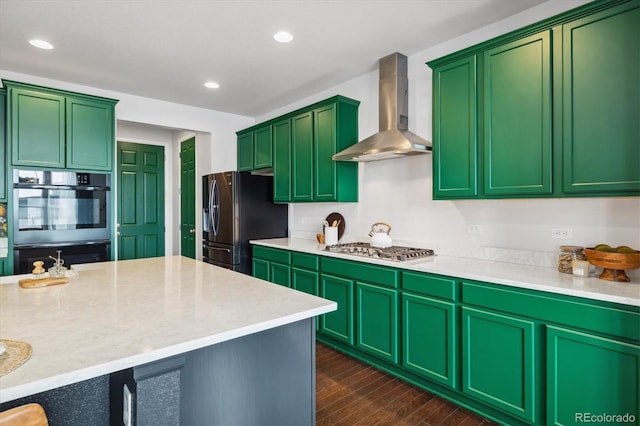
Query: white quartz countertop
{"points": [[117, 315], [510, 274]]}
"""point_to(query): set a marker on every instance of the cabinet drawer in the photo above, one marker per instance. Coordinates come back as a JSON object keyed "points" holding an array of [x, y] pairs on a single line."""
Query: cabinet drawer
{"points": [[361, 272], [307, 261], [429, 285], [275, 255], [579, 313]]}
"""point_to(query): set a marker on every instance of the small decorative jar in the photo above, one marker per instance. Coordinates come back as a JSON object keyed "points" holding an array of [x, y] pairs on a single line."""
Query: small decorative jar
{"points": [[566, 257]]}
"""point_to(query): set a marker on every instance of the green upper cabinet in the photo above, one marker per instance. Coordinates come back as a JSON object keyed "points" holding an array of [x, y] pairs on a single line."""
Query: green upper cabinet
{"points": [[299, 147], [517, 117], [302, 157], [282, 161], [89, 134], [57, 129], [547, 99], [245, 151], [3, 146], [36, 128], [455, 147], [316, 135], [601, 101], [262, 148], [255, 149]]}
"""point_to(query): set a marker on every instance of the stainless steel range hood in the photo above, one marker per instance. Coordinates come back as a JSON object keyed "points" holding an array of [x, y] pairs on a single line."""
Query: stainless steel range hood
{"points": [[394, 139]]}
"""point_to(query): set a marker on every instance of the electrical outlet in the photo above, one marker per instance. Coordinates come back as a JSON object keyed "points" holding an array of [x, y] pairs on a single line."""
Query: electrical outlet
{"points": [[562, 233], [474, 229], [127, 407]]}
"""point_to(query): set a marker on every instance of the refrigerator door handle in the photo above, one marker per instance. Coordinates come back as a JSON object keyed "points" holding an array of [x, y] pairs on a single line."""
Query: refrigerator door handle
{"points": [[214, 207]]}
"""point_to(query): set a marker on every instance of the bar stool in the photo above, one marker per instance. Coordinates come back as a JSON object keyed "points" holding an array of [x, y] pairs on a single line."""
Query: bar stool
{"points": [[24, 415]]}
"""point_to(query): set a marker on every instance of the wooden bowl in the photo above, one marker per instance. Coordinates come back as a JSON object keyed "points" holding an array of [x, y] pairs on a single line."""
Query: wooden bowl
{"points": [[614, 264]]}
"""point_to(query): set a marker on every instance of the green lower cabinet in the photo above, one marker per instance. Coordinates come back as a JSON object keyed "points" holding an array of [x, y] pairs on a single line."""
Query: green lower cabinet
{"points": [[429, 343], [2, 267], [338, 324], [498, 362], [280, 274], [591, 376], [306, 281], [272, 265], [377, 321], [260, 268]]}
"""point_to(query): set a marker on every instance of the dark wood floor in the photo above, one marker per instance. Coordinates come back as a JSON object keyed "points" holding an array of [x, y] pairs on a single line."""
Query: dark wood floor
{"points": [[350, 392]]}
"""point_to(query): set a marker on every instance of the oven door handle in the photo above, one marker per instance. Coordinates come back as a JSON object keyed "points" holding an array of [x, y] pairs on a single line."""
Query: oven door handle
{"points": [[54, 245], [61, 187]]}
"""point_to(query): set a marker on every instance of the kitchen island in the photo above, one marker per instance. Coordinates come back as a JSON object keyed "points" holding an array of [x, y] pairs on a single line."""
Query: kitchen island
{"points": [[193, 342]]}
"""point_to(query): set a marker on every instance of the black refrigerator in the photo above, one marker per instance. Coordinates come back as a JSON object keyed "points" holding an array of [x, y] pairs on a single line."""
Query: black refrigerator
{"points": [[238, 207]]}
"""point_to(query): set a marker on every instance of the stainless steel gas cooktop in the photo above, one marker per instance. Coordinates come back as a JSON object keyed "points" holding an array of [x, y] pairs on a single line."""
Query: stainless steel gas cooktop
{"points": [[395, 253]]}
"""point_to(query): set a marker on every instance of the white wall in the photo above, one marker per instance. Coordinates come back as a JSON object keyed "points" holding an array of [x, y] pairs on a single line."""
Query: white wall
{"points": [[399, 191]]}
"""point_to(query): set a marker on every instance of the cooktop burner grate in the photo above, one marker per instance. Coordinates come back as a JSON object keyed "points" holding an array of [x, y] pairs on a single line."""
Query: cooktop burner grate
{"points": [[395, 253]]}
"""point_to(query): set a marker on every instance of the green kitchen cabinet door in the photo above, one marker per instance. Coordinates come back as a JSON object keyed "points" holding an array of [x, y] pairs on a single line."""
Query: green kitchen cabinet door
{"points": [[36, 123], [260, 268], [377, 321], [306, 281], [262, 148], [517, 117], [590, 375], [89, 134], [498, 362], [2, 267], [302, 157], [601, 102], [429, 342], [282, 161], [455, 130], [280, 274], [338, 324], [245, 151], [3, 147], [324, 168]]}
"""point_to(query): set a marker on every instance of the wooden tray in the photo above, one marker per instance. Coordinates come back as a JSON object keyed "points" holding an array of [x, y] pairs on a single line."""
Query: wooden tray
{"points": [[43, 282]]}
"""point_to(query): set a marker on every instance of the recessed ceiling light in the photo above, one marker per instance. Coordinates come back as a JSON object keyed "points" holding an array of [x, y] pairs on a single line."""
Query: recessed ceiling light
{"points": [[283, 37], [211, 85], [41, 44]]}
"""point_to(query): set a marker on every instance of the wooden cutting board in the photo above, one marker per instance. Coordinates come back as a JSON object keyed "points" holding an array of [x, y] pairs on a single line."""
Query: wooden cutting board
{"points": [[43, 282]]}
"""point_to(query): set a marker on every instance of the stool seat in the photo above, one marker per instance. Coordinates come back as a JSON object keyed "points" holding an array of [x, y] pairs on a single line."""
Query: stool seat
{"points": [[24, 415]]}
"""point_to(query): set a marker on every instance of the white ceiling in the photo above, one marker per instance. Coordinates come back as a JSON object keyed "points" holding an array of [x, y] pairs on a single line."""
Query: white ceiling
{"points": [[167, 49]]}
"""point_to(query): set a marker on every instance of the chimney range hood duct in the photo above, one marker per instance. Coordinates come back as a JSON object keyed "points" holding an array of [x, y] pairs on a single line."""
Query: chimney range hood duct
{"points": [[394, 139]]}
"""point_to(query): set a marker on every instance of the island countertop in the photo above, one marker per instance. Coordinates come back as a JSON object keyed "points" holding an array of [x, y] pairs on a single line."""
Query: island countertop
{"points": [[116, 315], [508, 274]]}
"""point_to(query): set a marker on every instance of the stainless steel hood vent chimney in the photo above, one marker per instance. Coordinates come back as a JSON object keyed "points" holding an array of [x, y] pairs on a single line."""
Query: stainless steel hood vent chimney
{"points": [[394, 139]]}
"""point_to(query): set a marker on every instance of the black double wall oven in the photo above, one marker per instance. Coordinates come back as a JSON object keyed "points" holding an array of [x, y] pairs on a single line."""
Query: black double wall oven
{"points": [[60, 210]]}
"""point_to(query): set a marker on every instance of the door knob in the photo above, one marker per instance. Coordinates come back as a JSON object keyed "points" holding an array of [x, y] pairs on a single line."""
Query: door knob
{"points": [[192, 231]]}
